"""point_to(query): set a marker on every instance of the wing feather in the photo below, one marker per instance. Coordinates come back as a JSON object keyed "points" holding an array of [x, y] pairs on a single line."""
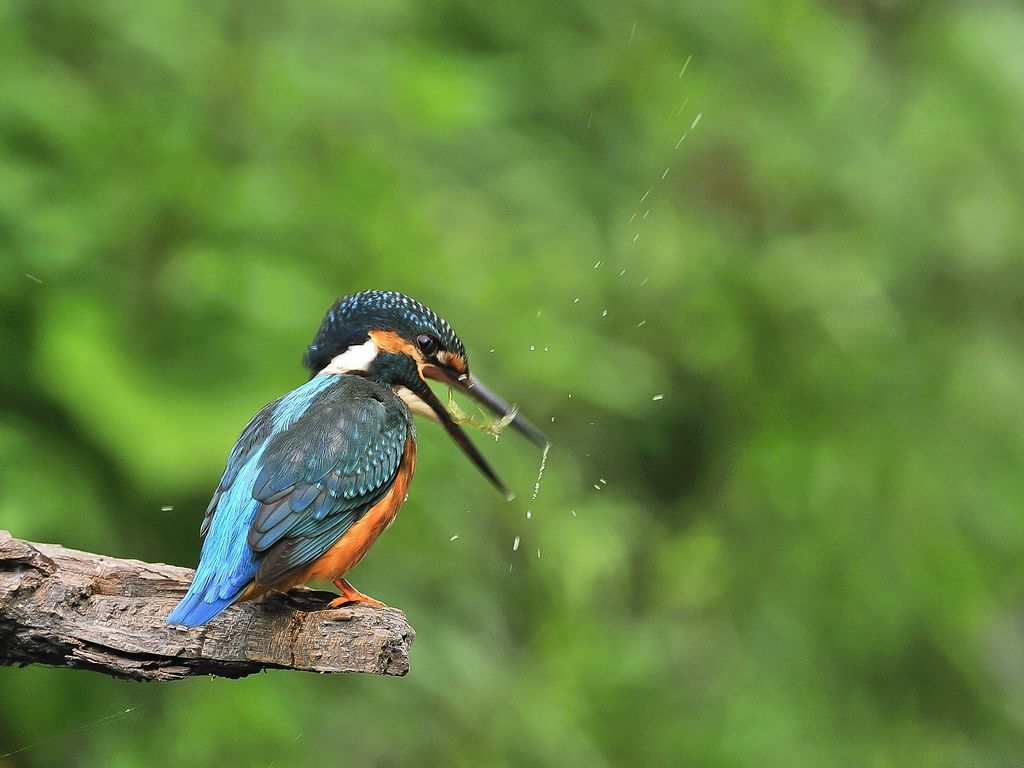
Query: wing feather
{"points": [[323, 474], [305, 469]]}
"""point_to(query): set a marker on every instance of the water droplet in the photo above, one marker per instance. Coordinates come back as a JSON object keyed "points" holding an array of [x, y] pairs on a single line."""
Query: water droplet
{"points": [[540, 472], [658, 397], [515, 544], [453, 538], [167, 508]]}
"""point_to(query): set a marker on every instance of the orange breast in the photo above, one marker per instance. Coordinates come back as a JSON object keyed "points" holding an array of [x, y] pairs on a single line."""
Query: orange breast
{"points": [[357, 540]]}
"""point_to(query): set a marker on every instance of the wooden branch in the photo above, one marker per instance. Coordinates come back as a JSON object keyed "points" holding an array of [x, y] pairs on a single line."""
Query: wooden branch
{"points": [[75, 609]]}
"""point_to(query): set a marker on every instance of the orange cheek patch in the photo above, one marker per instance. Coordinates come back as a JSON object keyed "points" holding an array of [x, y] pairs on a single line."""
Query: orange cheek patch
{"points": [[389, 341], [456, 362]]}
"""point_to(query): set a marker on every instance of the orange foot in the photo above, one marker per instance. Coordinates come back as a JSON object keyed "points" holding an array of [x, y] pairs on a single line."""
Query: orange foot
{"points": [[350, 594]]}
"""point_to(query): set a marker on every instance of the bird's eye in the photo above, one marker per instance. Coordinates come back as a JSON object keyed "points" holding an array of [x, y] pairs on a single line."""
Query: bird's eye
{"points": [[428, 344]]}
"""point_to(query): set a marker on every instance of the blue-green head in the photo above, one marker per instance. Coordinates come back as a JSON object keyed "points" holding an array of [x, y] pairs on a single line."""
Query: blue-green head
{"points": [[395, 340]]}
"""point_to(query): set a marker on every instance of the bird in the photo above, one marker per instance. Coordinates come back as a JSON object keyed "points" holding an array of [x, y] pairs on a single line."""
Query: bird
{"points": [[319, 473]]}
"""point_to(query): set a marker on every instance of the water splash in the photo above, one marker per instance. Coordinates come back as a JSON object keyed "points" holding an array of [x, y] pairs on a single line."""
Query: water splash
{"points": [[540, 472]]}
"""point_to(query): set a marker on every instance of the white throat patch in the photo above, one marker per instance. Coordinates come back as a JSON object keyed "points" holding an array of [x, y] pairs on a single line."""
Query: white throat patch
{"points": [[415, 403], [356, 358]]}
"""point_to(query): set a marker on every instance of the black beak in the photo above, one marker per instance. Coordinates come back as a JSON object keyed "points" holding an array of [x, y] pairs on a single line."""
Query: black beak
{"points": [[473, 388]]}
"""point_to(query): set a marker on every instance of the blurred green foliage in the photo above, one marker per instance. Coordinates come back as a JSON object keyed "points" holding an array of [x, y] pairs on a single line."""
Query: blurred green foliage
{"points": [[808, 553]]}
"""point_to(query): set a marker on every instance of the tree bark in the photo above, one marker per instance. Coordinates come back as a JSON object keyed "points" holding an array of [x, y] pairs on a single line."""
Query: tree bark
{"points": [[83, 611]]}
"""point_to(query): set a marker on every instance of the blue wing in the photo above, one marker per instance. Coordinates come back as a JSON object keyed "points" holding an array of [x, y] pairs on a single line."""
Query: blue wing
{"points": [[306, 468]]}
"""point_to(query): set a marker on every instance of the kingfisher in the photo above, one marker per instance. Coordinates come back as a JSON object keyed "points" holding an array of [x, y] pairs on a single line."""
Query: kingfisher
{"points": [[318, 474]]}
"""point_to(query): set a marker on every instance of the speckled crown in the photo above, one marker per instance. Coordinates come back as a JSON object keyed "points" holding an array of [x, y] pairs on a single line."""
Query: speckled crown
{"points": [[351, 318]]}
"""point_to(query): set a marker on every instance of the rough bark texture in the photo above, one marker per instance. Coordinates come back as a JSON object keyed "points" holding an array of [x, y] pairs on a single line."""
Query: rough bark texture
{"points": [[75, 609]]}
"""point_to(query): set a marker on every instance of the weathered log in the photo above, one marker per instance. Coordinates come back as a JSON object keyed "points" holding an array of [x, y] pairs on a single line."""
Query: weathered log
{"points": [[83, 611]]}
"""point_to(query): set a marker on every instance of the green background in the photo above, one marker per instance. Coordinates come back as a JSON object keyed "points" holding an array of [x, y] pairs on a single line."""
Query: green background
{"points": [[808, 553]]}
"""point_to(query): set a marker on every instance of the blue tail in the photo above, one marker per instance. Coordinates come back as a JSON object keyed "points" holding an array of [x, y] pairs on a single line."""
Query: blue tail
{"points": [[199, 605], [227, 563], [213, 589]]}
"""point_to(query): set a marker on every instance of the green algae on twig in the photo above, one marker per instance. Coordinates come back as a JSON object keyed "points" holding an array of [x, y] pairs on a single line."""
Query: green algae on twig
{"points": [[483, 423]]}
